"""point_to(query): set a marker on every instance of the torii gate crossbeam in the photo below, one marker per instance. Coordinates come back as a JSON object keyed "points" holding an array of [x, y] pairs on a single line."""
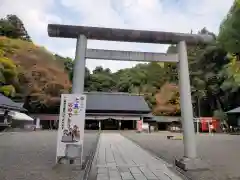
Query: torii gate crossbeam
{"points": [[82, 33]]}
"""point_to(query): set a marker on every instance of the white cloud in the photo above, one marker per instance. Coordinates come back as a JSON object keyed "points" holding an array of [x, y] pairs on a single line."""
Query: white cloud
{"points": [[35, 14], [136, 14]]}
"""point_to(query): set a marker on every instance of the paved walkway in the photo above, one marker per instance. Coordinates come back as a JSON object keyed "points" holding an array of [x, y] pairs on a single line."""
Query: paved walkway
{"points": [[120, 159]]}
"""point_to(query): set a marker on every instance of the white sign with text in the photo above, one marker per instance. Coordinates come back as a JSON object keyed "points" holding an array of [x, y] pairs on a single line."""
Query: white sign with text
{"points": [[71, 122]]}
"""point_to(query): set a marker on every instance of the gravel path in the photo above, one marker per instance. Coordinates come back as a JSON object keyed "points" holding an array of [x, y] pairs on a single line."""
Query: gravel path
{"points": [[220, 151], [31, 156]]}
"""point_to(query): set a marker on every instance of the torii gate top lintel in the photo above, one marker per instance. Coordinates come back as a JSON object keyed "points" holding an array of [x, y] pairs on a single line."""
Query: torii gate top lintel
{"points": [[127, 35]]}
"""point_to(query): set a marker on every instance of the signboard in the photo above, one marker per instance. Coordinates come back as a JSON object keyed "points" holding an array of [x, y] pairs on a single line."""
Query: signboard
{"points": [[71, 122]]}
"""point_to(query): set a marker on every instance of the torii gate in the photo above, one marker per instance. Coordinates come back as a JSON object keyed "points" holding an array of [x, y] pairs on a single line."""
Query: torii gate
{"points": [[82, 33]]}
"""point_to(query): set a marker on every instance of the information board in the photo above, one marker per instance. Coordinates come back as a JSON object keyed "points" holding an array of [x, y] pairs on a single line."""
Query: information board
{"points": [[71, 123]]}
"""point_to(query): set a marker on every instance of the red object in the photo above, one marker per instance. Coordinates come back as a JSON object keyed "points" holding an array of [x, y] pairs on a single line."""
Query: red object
{"points": [[204, 123]]}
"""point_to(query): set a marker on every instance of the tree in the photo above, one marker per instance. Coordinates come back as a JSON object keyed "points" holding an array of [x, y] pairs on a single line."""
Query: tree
{"points": [[100, 80], [8, 75], [229, 35], [68, 66], [167, 100], [206, 79], [231, 83], [171, 71], [13, 27], [6, 28]]}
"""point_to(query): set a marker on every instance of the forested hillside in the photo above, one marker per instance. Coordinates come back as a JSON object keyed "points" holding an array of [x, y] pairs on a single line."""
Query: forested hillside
{"points": [[31, 73]]}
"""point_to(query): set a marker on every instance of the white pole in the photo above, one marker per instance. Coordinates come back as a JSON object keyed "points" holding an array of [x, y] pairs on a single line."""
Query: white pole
{"points": [[37, 123], [211, 126], [99, 125], [197, 125], [119, 123]]}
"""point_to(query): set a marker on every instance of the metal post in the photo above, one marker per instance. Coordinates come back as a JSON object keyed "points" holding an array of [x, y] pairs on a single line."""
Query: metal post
{"points": [[79, 65], [186, 103]]}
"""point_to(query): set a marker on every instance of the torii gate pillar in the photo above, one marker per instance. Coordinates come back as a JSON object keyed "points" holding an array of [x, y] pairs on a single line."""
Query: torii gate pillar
{"points": [[186, 102], [79, 66]]}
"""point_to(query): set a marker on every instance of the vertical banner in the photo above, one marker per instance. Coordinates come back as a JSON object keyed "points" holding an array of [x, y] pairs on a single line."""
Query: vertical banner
{"points": [[71, 123]]}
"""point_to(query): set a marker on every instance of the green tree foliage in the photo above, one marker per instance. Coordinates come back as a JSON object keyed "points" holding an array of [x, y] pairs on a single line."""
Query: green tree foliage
{"points": [[206, 79], [13, 27], [229, 35], [8, 75]]}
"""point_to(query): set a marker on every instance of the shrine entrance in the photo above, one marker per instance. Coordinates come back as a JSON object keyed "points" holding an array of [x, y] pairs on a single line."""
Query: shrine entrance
{"points": [[110, 124], [82, 33]]}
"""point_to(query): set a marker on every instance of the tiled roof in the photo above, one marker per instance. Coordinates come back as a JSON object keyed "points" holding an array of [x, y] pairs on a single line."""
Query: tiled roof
{"points": [[236, 110], [101, 101], [7, 103]]}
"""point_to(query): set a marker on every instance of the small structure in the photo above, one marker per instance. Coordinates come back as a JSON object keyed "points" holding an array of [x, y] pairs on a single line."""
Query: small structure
{"points": [[207, 124], [45, 121], [115, 110], [107, 111], [170, 123], [7, 105], [234, 118], [164, 123], [21, 120]]}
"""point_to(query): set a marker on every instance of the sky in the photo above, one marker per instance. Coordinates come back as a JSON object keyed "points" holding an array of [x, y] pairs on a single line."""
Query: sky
{"points": [[158, 15]]}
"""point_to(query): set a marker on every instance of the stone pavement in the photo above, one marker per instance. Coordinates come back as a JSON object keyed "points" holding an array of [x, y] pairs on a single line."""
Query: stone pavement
{"points": [[31, 156], [120, 159], [220, 151]]}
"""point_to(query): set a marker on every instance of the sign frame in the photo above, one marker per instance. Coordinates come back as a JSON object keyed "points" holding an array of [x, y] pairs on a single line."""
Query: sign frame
{"points": [[71, 127]]}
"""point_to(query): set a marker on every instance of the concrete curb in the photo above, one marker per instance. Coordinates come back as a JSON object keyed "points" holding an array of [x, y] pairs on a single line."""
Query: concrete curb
{"points": [[90, 161]]}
